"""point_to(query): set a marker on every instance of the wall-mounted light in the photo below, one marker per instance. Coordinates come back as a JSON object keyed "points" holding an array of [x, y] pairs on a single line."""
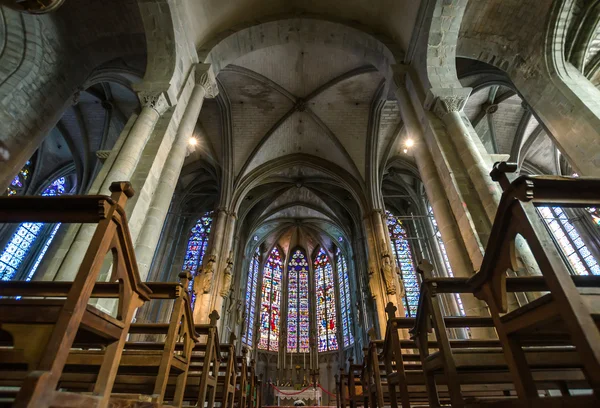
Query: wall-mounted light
{"points": [[409, 143], [193, 141]]}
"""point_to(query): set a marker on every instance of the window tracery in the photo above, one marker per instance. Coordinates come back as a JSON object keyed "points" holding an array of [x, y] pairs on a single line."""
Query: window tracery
{"points": [[345, 304], [270, 304], [253, 268], [326, 309], [404, 260], [196, 247], [24, 238], [298, 317]]}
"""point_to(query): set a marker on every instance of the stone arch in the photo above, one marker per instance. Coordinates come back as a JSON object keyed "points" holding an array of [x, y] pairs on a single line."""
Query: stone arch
{"points": [[310, 30], [339, 175]]}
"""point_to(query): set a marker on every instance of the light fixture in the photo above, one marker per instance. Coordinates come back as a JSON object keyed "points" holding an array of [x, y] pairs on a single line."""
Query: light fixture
{"points": [[193, 141], [409, 143], [405, 151]]}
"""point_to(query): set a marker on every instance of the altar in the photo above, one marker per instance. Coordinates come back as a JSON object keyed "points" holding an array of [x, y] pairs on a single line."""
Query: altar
{"points": [[286, 396]]}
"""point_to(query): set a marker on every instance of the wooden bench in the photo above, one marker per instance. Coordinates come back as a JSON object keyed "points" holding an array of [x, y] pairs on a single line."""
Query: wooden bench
{"points": [[242, 380], [39, 333], [481, 362], [146, 367], [571, 308], [226, 382]]}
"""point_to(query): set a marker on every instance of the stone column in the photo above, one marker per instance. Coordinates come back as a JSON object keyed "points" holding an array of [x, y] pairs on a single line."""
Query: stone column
{"points": [[225, 271], [448, 104], [458, 256], [161, 200], [154, 105]]}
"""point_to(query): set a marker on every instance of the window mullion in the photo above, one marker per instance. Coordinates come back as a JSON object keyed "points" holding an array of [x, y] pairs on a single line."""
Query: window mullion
{"points": [[564, 230]]}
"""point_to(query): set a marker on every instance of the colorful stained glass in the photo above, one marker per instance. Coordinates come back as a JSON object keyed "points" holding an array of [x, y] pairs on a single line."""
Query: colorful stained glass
{"points": [[196, 247], [24, 238], [270, 304], [20, 180], [251, 298], [345, 304], [326, 310], [298, 318], [581, 260], [595, 213], [442, 247], [404, 259]]}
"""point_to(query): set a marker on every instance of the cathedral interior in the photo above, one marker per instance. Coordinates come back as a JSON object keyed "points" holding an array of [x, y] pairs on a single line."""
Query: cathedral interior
{"points": [[251, 203]]}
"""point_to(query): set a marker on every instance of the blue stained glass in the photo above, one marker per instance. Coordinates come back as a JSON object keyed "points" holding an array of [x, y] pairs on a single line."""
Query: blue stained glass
{"points": [[25, 236], [298, 320], [403, 255], [251, 298], [326, 310], [345, 304], [196, 248], [580, 258], [270, 313]]}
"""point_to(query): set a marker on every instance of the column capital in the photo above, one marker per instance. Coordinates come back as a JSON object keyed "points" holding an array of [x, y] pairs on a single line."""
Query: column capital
{"points": [[443, 101], [399, 72], [158, 101], [205, 78]]}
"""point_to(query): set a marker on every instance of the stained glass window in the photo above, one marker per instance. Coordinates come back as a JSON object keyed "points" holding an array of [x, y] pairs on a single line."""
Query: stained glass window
{"points": [[442, 247], [326, 310], [569, 241], [298, 317], [251, 298], [345, 304], [24, 238], [19, 182], [196, 247], [404, 259], [270, 303]]}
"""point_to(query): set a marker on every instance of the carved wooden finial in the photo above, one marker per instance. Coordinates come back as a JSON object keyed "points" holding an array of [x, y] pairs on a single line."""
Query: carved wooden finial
{"points": [[184, 277], [351, 360], [390, 309], [232, 338], [214, 316], [244, 351], [372, 335], [122, 187]]}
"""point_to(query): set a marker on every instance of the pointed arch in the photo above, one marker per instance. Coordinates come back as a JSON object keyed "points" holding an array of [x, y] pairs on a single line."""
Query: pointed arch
{"points": [[270, 303], [298, 316], [325, 299]]}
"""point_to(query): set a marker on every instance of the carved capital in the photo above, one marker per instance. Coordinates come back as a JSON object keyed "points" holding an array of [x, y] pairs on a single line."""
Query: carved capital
{"points": [[447, 100], [206, 79], [155, 100], [399, 72]]}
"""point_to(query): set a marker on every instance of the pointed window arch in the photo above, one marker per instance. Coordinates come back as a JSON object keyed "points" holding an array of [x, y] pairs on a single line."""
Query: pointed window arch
{"points": [[326, 310], [404, 260], [197, 243], [253, 271], [345, 303], [270, 304], [23, 240], [298, 317], [19, 183]]}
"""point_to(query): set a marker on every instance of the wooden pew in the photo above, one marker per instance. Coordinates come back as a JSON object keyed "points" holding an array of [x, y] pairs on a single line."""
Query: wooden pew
{"points": [[242, 381], [356, 396], [251, 401], [481, 362], [568, 310], [39, 333], [146, 367], [226, 382]]}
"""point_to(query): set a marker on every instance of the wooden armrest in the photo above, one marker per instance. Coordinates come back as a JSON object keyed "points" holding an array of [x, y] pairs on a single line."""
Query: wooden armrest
{"points": [[64, 209]]}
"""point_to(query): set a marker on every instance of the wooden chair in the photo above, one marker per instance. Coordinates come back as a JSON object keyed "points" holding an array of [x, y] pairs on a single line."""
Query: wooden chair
{"points": [[40, 332], [568, 310], [355, 389], [146, 367]]}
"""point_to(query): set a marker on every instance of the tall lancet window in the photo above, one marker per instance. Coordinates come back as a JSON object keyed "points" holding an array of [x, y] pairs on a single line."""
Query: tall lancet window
{"points": [[196, 247], [345, 304], [570, 242], [24, 239], [251, 298], [326, 313], [404, 260], [270, 303], [298, 323]]}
